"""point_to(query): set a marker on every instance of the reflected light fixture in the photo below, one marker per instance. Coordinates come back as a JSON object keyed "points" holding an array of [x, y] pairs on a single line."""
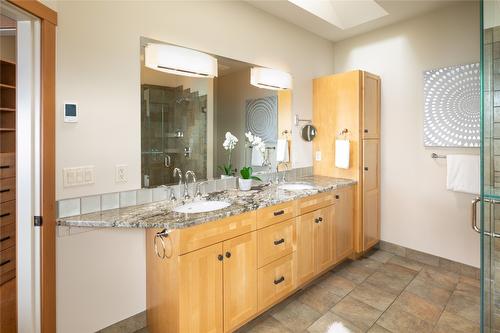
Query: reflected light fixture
{"points": [[179, 61], [269, 78]]}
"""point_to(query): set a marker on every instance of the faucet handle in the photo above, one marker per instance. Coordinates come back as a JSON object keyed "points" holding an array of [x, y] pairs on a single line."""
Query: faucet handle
{"points": [[198, 194], [172, 195]]}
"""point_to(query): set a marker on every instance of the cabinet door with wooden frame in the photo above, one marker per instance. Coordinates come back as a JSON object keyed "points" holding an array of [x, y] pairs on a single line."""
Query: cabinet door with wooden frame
{"points": [[371, 192], [323, 238], [200, 290], [304, 254], [344, 224], [371, 106], [240, 280]]}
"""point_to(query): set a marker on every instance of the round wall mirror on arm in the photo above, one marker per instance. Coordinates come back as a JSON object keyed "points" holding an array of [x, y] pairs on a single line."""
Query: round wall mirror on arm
{"points": [[309, 132]]}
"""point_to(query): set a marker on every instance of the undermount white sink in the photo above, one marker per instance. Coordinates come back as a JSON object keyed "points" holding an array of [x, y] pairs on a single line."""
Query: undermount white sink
{"points": [[201, 206], [295, 187]]}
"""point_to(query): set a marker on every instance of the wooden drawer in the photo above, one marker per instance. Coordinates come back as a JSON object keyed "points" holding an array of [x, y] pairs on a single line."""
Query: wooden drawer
{"points": [[314, 202], [7, 189], [8, 307], [7, 263], [203, 235], [275, 242], [276, 281], [274, 214], [7, 236], [7, 213], [7, 165]]}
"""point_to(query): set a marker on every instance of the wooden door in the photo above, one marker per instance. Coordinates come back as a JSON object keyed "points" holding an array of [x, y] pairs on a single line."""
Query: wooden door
{"points": [[371, 106], [304, 254], [371, 190], [344, 224], [323, 238], [240, 280], [200, 290]]}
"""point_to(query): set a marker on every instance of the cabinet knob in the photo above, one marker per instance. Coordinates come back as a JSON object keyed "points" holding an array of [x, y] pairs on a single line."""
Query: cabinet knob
{"points": [[337, 196], [220, 257], [279, 241], [366, 168], [278, 281], [320, 219], [366, 130], [317, 220], [228, 254], [279, 212]]}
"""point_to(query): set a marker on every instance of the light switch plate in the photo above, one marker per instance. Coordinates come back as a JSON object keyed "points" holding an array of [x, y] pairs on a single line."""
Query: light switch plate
{"points": [[121, 173], [318, 155], [78, 176]]}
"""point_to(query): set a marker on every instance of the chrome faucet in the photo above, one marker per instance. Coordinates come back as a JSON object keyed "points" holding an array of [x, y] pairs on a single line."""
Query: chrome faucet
{"points": [[285, 164], [177, 173], [186, 181]]}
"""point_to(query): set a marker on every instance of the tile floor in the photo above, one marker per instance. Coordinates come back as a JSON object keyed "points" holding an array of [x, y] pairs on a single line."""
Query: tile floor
{"points": [[378, 294]]}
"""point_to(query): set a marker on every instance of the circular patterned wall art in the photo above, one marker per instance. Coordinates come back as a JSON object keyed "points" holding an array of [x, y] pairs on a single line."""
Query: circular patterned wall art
{"points": [[262, 118], [451, 106]]}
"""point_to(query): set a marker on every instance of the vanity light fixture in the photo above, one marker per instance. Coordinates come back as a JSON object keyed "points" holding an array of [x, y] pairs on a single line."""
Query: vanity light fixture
{"points": [[269, 78], [179, 61]]}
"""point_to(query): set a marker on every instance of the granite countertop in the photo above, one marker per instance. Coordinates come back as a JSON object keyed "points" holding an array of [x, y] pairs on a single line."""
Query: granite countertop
{"points": [[160, 214]]}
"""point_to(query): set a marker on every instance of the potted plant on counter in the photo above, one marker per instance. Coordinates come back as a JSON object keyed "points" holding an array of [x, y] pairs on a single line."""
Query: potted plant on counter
{"points": [[256, 144], [229, 145]]}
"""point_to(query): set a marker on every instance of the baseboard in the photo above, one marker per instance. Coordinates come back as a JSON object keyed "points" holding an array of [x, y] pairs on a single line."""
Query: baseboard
{"points": [[431, 260], [128, 325]]}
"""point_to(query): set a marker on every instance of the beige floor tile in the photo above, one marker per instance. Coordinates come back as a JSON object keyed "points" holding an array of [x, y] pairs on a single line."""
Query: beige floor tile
{"points": [[450, 323], [418, 307], [406, 262], [399, 272], [337, 284], [465, 306], [378, 329], [399, 321], [319, 298], [356, 274], [381, 256], [439, 278], [387, 283], [368, 263], [470, 281], [332, 323], [296, 316], [429, 292], [373, 296], [360, 314], [263, 324]]}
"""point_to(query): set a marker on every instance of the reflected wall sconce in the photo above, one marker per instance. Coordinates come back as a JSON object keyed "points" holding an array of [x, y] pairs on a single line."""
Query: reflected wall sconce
{"points": [[269, 78], [179, 61]]}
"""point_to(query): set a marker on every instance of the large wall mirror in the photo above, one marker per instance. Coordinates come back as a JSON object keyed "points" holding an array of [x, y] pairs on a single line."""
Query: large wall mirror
{"points": [[185, 115]]}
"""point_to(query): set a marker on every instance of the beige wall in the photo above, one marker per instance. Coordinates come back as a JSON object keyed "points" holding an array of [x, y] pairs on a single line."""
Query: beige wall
{"points": [[417, 210], [100, 274]]}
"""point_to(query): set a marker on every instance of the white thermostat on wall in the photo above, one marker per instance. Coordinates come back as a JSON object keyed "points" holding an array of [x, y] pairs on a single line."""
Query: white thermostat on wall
{"points": [[70, 112]]}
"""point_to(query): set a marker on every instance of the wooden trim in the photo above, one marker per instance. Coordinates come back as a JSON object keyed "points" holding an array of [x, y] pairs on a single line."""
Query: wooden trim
{"points": [[48, 19], [38, 9]]}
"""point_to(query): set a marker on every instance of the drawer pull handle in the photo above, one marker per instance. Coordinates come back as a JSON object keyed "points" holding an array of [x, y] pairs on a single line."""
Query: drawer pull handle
{"points": [[279, 241], [228, 254], [4, 239], [4, 166], [281, 279], [279, 212], [3, 263], [220, 257], [4, 215], [6, 190]]}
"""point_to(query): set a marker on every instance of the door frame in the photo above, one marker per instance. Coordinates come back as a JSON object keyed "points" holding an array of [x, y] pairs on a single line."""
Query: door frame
{"points": [[48, 23]]}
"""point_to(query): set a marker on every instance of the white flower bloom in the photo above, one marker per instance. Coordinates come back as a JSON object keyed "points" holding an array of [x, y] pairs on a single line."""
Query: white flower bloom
{"points": [[249, 137], [230, 142]]}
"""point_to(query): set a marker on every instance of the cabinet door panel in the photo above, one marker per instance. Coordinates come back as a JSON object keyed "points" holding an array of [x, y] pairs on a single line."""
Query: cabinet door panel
{"points": [[371, 222], [240, 280], [200, 291], [304, 254], [344, 223], [370, 165], [323, 238], [371, 107]]}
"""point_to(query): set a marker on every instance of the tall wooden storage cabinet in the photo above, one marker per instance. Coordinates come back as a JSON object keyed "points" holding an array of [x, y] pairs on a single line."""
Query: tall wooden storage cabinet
{"points": [[351, 101]]}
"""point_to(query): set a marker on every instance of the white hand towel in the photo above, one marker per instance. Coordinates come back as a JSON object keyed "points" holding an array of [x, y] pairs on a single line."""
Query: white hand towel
{"points": [[257, 159], [342, 148], [282, 154], [463, 173]]}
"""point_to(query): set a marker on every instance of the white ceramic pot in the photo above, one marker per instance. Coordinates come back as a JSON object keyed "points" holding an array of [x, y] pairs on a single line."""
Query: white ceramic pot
{"points": [[225, 176], [244, 184]]}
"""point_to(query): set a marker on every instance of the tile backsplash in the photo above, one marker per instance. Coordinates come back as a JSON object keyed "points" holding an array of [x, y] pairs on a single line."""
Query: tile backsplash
{"points": [[96, 203]]}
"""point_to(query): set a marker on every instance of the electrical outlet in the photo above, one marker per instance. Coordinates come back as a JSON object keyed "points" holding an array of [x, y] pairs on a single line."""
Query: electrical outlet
{"points": [[318, 155], [121, 173], [78, 176]]}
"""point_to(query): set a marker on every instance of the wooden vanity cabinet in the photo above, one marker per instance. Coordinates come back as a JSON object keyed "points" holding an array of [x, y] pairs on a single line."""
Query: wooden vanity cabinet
{"points": [[343, 225]]}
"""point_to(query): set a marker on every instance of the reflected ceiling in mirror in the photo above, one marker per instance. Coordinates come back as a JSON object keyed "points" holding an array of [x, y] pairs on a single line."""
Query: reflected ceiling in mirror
{"points": [[184, 120]]}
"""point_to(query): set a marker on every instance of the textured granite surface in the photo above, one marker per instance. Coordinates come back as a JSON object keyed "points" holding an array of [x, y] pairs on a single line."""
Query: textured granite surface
{"points": [[160, 214]]}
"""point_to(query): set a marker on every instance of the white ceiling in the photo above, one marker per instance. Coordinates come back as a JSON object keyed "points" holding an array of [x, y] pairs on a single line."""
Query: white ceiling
{"points": [[346, 17]]}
